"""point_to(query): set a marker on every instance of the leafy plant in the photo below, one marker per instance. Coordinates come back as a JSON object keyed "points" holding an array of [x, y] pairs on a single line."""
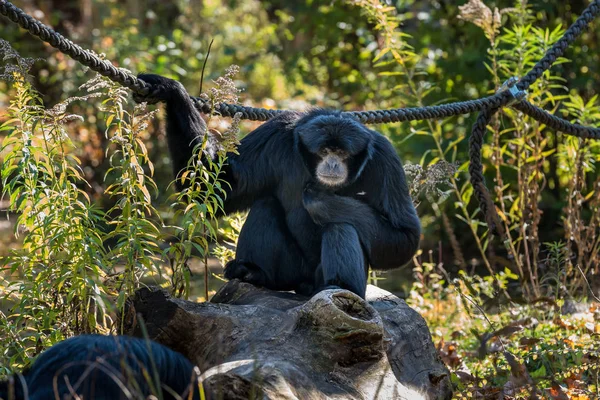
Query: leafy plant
{"points": [[202, 199], [230, 231], [136, 236], [54, 289]]}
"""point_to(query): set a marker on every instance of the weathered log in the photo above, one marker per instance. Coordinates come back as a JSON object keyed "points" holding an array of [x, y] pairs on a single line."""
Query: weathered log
{"points": [[255, 343]]}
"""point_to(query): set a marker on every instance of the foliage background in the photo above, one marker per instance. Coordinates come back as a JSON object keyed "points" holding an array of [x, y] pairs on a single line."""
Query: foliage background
{"points": [[338, 54]]}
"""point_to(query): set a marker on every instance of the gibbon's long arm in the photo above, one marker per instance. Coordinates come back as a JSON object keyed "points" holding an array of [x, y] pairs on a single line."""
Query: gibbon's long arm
{"points": [[258, 167]]}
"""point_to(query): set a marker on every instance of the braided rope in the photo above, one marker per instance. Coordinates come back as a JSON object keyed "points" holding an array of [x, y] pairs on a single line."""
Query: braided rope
{"points": [[476, 170], [557, 123], [85, 57], [478, 131], [487, 106], [558, 49]]}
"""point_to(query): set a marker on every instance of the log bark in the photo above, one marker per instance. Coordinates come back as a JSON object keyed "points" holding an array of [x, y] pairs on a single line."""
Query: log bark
{"points": [[251, 342]]}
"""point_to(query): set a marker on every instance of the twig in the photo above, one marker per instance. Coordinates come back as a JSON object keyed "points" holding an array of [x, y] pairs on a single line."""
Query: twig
{"points": [[588, 284], [204, 65]]}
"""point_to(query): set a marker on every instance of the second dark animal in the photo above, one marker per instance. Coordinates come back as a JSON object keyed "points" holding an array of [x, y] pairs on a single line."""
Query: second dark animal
{"points": [[105, 368], [327, 197]]}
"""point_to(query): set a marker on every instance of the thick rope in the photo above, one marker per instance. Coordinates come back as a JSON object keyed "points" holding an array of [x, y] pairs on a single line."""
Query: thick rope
{"points": [[557, 123], [479, 128], [476, 170], [85, 57], [558, 48], [487, 106]]}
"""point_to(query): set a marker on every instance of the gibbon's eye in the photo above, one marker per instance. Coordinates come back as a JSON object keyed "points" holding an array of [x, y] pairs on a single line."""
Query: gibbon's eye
{"points": [[341, 154], [324, 152]]}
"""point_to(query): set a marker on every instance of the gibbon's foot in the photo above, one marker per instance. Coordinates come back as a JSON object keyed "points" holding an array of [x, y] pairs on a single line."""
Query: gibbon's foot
{"points": [[324, 287], [305, 289], [245, 272]]}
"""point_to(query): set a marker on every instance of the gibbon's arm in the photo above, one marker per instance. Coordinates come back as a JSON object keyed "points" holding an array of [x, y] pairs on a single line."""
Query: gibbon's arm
{"points": [[185, 126], [265, 155], [266, 159]]}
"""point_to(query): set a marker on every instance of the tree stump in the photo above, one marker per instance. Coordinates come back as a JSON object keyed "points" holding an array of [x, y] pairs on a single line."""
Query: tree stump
{"points": [[252, 342]]}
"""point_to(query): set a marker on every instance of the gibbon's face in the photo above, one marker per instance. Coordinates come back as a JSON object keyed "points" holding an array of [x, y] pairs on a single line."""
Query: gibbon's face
{"points": [[332, 169], [334, 149]]}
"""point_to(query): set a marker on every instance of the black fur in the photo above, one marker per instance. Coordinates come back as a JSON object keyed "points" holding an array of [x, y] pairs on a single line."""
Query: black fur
{"points": [[89, 357], [300, 235]]}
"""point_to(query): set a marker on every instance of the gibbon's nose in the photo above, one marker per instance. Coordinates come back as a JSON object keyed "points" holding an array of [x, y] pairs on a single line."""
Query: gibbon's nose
{"points": [[333, 168]]}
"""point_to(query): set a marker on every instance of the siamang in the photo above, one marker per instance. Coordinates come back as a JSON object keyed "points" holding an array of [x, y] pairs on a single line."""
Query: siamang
{"points": [[327, 197], [104, 368]]}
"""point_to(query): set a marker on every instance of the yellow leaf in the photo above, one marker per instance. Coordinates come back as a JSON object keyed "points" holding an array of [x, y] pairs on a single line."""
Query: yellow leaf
{"points": [[146, 194]]}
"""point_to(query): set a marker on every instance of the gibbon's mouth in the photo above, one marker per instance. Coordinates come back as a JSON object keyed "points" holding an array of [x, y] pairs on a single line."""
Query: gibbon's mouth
{"points": [[331, 180]]}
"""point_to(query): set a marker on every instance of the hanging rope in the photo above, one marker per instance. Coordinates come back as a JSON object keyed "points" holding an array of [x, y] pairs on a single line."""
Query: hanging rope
{"points": [[513, 96]]}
